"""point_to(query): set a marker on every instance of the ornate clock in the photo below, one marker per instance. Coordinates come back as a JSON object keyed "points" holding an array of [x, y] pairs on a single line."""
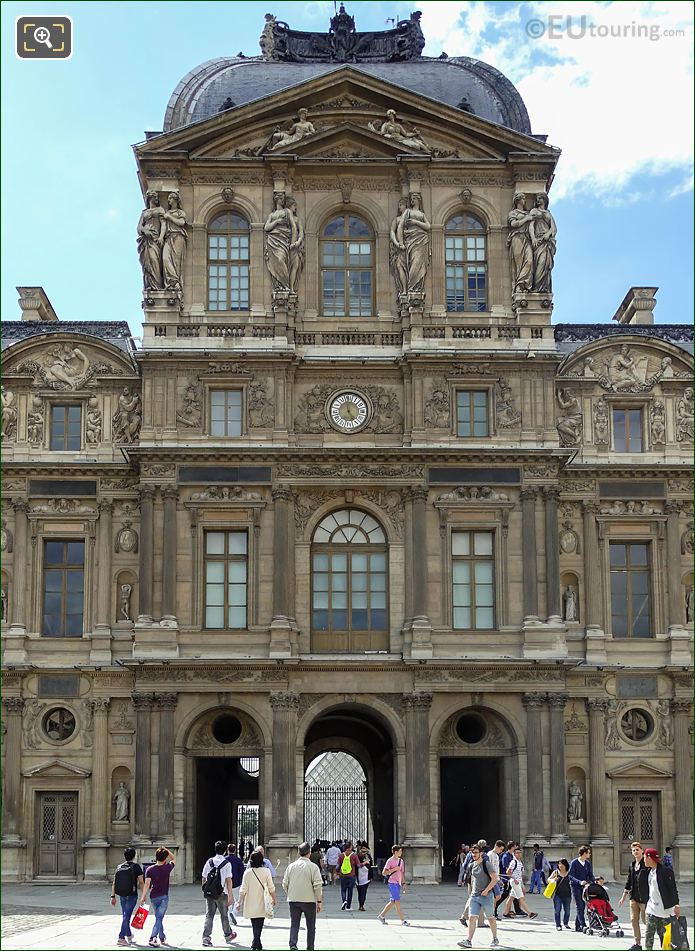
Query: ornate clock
{"points": [[348, 412]]}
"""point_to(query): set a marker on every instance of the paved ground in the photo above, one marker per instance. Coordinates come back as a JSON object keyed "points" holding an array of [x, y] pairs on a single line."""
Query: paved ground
{"points": [[80, 918]]}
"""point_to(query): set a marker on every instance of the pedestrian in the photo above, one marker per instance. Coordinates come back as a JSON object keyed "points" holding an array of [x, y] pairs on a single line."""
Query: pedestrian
{"points": [[303, 885], [237, 867], [218, 891], [127, 879], [256, 879], [347, 867], [581, 873], [266, 862], [316, 856], [394, 873], [332, 859], [466, 879], [363, 876], [493, 857], [562, 896], [537, 870], [483, 880], [637, 888], [157, 887], [663, 903], [668, 857], [506, 859], [515, 870]]}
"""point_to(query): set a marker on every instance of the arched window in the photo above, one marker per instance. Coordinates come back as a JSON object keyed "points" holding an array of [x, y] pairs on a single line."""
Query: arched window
{"points": [[228, 262], [466, 263], [348, 583], [347, 268]]}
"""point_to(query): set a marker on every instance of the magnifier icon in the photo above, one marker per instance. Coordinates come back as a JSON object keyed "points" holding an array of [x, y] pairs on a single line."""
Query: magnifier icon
{"points": [[43, 35]]}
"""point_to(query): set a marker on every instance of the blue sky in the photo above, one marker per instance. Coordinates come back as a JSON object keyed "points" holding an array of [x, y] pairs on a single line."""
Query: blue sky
{"points": [[611, 86]]}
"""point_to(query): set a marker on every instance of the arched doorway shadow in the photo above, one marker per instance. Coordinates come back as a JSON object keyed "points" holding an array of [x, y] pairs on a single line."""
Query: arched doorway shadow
{"points": [[368, 810]]}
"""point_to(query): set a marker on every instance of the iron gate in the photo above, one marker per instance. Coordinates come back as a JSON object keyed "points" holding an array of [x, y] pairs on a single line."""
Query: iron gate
{"points": [[335, 813]]}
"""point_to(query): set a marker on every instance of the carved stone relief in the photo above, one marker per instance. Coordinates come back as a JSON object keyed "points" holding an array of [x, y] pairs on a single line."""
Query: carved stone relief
{"points": [[629, 508], [569, 540], [190, 412], [684, 417], [392, 129], [657, 423], [664, 733], [126, 539], [438, 405], [260, 407], [126, 421], [63, 507], [307, 501], [386, 413], [569, 426], [532, 244], [507, 415], [601, 422], [298, 130], [9, 414], [35, 421], [215, 493], [404, 473], [93, 422], [688, 540], [6, 537], [64, 367], [464, 493], [391, 503]]}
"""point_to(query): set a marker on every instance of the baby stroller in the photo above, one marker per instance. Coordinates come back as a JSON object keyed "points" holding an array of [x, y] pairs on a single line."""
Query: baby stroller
{"points": [[600, 917]]}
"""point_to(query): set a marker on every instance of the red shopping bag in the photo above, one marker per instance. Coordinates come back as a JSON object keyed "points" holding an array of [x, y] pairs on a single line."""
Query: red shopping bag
{"points": [[140, 917]]}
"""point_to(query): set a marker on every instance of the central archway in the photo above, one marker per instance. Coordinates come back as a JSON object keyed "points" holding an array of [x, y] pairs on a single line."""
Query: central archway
{"points": [[349, 792]]}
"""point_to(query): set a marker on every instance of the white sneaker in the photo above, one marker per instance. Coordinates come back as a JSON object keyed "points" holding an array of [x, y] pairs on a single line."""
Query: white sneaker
{"points": [[466, 943], [382, 920]]}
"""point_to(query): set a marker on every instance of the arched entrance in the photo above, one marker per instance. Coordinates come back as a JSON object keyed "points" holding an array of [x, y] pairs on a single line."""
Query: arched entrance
{"points": [[367, 806]]}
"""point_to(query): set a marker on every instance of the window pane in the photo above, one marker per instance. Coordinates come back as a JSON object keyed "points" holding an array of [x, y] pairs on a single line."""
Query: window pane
{"points": [[214, 572], [617, 554], [237, 543], [462, 618], [237, 617], [75, 553], [638, 554], [214, 617], [237, 572], [484, 619], [460, 543], [483, 543]]}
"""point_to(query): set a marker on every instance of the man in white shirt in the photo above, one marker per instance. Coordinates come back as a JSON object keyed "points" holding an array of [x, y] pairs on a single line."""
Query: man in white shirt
{"points": [[332, 858], [662, 903], [304, 886], [221, 902]]}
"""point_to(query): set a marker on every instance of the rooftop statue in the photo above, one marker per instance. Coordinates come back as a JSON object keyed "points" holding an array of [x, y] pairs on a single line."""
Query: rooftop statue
{"points": [[342, 43]]}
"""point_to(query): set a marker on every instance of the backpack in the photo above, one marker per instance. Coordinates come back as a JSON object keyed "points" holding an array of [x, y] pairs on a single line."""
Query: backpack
{"points": [[212, 886], [124, 880], [346, 865], [467, 875]]}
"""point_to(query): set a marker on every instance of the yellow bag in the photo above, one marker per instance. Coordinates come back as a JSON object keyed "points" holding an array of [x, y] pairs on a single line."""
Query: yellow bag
{"points": [[666, 943], [549, 890], [346, 865]]}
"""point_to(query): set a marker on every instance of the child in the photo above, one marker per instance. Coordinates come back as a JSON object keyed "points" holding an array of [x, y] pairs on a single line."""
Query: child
{"points": [[394, 873]]}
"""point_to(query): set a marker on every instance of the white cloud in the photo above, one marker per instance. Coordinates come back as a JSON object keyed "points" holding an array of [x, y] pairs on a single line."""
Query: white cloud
{"points": [[618, 106]]}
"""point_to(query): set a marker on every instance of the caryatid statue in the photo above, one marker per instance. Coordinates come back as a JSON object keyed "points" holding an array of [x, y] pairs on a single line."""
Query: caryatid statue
{"points": [[413, 234], [519, 245], [284, 244], [150, 239], [397, 250], [543, 231], [174, 240]]}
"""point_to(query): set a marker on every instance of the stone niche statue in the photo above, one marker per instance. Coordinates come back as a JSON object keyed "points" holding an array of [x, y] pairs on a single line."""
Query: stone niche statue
{"points": [[121, 802], [284, 244], [569, 426], [571, 604], [150, 240], [124, 593], [392, 129], [689, 605], [575, 798]]}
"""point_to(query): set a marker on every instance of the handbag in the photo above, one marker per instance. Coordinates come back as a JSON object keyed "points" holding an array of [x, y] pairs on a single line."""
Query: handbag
{"points": [[666, 940], [549, 889], [140, 917], [268, 907], [679, 933]]}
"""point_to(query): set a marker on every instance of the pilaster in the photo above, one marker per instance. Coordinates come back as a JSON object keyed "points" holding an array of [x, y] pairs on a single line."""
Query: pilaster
{"points": [[283, 627], [680, 638], [100, 649], [285, 707], [558, 798], [593, 589], [534, 702], [14, 634], [598, 811], [143, 704], [165, 705], [95, 856], [421, 845], [418, 628]]}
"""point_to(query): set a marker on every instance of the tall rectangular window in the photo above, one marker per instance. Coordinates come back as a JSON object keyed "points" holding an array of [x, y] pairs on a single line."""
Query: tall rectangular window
{"points": [[471, 413], [630, 584], [225, 412], [66, 428], [473, 581], [627, 430], [63, 588], [228, 262], [226, 579]]}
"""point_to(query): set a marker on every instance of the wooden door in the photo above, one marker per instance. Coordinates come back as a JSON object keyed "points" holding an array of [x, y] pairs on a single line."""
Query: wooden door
{"points": [[638, 822], [57, 828]]}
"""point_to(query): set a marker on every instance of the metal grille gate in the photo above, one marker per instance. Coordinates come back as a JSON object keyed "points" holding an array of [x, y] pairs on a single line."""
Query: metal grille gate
{"points": [[335, 812]]}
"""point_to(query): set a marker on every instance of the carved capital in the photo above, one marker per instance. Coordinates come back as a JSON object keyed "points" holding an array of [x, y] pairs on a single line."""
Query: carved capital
{"points": [[20, 505], [284, 701], [551, 493], [170, 492], [105, 507], [682, 705], [557, 700], [528, 493], [165, 701], [100, 705], [13, 704], [418, 493], [673, 507], [143, 701], [533, 700], [281, 493], [590, 508], [416, 701], [147, 492], [598, 705]]}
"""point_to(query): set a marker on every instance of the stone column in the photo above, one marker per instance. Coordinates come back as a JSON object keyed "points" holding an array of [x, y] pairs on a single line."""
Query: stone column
{"points": [[170, 495], [100, 648], [283, 626], [597, 708], [552, 555], [13, 635], [284, 707], [419, 625], [558, 804], [593, 589], [143, 725], [166, 705], [528, 554], [146, 553], [676, 609], [534, 765], [97, 844], [682, 744], [416, 710], [12, 779]]}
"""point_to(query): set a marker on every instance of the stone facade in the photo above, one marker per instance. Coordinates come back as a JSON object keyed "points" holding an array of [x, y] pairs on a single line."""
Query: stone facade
{"points": [[132, 701]]}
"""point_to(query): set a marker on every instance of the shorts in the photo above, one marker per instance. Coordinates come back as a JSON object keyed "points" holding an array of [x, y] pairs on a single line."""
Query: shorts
{"points": [[395, 891], [517, 889], [484, 903]]}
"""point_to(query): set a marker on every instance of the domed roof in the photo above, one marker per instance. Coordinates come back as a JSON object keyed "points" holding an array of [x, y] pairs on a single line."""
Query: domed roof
{"points": [[460, 82]]}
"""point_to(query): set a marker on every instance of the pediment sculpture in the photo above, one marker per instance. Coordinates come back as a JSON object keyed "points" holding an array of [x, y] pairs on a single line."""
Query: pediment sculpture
{"points": [[390, 128], [299, 129]]}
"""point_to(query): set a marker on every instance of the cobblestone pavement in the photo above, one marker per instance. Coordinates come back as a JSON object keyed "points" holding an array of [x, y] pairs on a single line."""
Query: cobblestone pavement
{"points": [[80, 918]]}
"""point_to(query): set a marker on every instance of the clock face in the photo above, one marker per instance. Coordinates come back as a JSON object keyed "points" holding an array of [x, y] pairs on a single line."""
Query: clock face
{"points": [[348, 412]]}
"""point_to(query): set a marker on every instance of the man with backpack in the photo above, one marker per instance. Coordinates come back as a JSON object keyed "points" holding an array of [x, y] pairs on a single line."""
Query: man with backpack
{"points": [[483, 880], [347, 867], [126, 881], [237, 869], [218, 893], [537, 870]]}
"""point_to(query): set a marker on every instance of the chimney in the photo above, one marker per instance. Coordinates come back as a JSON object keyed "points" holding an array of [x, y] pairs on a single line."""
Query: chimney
{"points": [[637, 306], [36, 305]]}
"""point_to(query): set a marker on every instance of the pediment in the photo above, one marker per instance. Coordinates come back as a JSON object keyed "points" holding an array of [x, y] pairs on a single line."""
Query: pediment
{"points": [[341, 99], [65, 362], [627, 363], [58, 767], [638, 768]]}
